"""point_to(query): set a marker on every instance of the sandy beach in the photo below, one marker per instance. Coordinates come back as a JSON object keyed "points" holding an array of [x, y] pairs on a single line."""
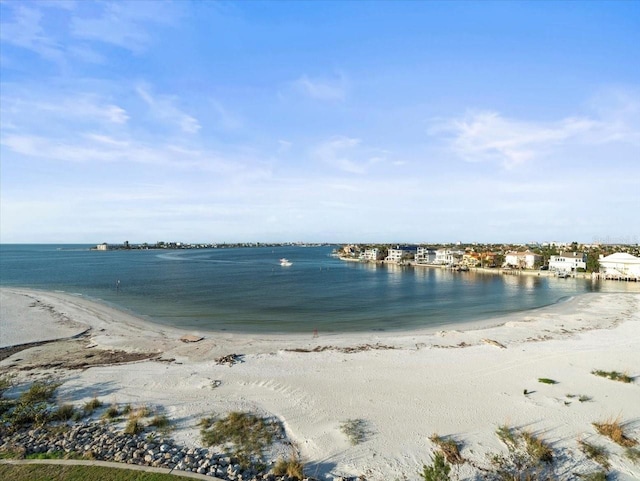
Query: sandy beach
{"points": [[461, 382]]}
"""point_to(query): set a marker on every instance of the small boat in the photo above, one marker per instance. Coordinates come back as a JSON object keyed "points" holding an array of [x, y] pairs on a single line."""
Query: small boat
{"points": [[285, 262]]}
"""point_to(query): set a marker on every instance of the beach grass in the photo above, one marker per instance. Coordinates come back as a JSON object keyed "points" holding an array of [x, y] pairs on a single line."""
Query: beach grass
{"points": [[250, 435], [537, 448], [613, 375], [596, 453], [291, 467], [438, 471], [449, 448], [614, 430], [355, 430], [92, 405]]}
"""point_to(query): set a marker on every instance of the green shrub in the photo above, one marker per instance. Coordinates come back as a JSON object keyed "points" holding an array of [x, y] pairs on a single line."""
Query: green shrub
{"points": [[438, 471]]}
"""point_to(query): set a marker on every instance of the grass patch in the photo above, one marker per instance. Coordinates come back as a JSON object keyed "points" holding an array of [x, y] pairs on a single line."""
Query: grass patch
{"points": [[595, 476], [355, 430], [52, 472], [546, 380], [112, 412], [66, 412], [438, 471], [449, 448], [51, 455], [614, 430], [31, 407], [537, 448], [633, 454], [597, 453], [507, 436], [613, 375], [134, 425], [291, 467], [160, 421], [91, 406], [246, 435]]}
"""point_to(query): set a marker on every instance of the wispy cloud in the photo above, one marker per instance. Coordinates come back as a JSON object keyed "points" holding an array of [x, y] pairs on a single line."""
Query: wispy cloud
{"points": [[30, 109], [487, 136], [321, 88], [125, 25], [25, 30], [164, 108], [349, 154]]}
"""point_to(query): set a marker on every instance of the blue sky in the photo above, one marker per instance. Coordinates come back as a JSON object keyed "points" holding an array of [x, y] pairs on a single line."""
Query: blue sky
{"points": [[319, 121]]}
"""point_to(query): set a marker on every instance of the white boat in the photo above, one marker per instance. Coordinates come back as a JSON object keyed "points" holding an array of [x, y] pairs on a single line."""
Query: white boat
{"points": [[285, 262]]}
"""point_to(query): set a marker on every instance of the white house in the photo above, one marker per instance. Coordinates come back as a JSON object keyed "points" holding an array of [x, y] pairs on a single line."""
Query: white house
{"points": [[569, 262], [394, 255], [424, 255], [370, 254], [444, 256], [620, 264], [522, 260]]}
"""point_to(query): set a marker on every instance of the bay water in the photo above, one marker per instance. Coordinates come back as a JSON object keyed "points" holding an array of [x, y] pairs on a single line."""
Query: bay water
{"points": [[247, 290]]}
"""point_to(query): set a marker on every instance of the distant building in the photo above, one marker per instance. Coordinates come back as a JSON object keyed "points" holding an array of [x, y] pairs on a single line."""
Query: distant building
{"points": [[424, 255], [102, 247], [522, 260], [371, 254], [568, 262], [399, 254], [620, 265]]}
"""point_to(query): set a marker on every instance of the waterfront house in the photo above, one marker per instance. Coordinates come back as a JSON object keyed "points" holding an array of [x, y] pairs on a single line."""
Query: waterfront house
{"points": [[399, 254], [425, 255], [568, 262], [522, 260], [370, 254], [620, 266]]}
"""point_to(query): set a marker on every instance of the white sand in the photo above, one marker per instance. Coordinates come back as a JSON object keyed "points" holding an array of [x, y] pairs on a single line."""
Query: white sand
{"points": [[424, 386]]}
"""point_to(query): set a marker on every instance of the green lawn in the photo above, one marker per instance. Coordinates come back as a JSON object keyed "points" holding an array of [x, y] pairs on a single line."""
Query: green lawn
{"points": [[53, 472]]}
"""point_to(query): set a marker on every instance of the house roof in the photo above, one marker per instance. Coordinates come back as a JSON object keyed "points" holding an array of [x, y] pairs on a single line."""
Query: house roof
{"points": [[621, 257]]}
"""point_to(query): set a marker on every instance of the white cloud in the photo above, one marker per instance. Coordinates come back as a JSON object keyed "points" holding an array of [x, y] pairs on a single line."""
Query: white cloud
{"points": [[164, 108], [488, 136], [22, 106], [26, 31], [125, 24], [338, 152], [322, 89]]}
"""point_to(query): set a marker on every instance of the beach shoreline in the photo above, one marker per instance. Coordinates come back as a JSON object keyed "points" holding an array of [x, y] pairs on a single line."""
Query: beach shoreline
{"points": [[461, 381]]}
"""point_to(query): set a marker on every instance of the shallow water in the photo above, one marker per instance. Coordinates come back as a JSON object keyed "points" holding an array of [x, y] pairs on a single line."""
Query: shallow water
{"points": [[246, 290]]}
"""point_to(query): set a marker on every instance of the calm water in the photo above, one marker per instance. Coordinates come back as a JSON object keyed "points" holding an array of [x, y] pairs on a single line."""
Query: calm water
{"points": [[246, 289]]}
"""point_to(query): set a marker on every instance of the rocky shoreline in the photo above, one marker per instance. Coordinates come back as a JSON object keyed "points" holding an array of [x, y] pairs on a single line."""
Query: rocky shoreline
{"points": [[103, 442]]}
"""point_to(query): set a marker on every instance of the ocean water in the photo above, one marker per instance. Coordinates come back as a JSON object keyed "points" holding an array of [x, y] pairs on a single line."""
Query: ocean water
{"points": [[246, 290]]}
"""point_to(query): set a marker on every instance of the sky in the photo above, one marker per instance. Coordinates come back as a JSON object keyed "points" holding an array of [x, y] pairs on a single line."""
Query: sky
{"points": [[346, 121]]}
